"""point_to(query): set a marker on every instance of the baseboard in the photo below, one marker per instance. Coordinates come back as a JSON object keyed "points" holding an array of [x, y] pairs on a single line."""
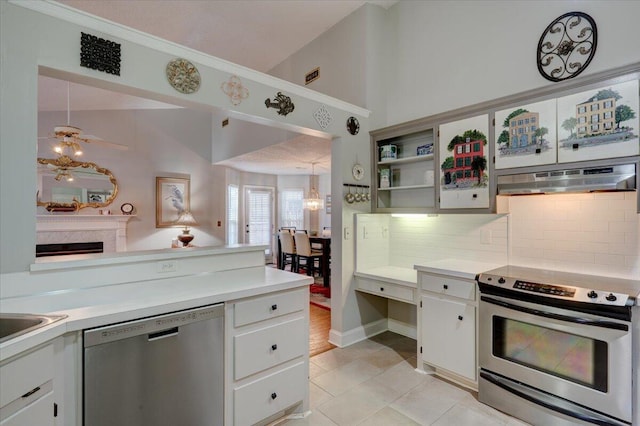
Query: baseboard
{"points": [[357, 334], [403, 328]]}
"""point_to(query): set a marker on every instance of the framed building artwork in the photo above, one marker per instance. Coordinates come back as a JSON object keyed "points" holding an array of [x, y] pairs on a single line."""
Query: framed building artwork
{"points": [[526, 135], [464, 153], [172, 198], [599, 123]]}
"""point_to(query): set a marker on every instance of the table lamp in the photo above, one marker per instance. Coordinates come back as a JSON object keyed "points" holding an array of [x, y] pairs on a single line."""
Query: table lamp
{"points": [[186, 219]]}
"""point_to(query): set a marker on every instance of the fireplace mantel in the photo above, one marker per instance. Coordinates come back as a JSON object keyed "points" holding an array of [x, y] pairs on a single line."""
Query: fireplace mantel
{"points": [[59, 228]]}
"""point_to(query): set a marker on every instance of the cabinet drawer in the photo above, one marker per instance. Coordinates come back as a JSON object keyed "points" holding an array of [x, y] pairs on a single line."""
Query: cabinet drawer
{"points": [[449, 286], [261, 349], [25, 374], [263, 308], [38, 413], [269, 395], [385, 289]]}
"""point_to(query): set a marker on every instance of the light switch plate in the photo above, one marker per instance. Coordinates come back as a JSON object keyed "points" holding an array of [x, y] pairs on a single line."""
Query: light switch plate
{"points": [[347, 233]]}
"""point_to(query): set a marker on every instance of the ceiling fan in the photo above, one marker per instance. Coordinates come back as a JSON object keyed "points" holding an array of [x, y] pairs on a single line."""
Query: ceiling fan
{"points": [[69, 137]]}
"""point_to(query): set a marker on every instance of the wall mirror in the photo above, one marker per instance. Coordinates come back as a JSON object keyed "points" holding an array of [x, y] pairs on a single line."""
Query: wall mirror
{"points": [[65, 184]]}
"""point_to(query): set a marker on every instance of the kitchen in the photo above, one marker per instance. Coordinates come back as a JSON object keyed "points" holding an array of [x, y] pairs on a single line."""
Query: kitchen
{"points": [[399, 111]]}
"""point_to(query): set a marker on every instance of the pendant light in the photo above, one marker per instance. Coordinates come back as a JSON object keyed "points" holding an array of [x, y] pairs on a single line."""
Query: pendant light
{"points": [[313, 202]]}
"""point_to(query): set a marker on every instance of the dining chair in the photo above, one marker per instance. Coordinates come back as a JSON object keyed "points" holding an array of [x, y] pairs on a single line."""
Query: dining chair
{"points": [[305, 256], [291, 229], [288, 251], [302, 231]]}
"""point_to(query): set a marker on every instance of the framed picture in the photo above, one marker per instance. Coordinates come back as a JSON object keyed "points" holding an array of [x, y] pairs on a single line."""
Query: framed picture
{"points": [[172, 198], [327, 204]]}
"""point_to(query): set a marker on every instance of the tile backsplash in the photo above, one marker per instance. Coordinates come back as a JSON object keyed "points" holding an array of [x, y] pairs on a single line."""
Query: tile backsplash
{"points": [[409, 240], [595, 233]]}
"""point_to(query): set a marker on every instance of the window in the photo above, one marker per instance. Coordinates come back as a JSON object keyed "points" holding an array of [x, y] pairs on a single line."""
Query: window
{"points": [[608, 125], [467, 148], [526, 121], [594, 118], [291, 212], [582, 129], [459, 162], [582, 119], [520, 122], [608, 104], [476, 147], [594, 127], [582, 109], [533, 119], [232, 214], [467, 161], [459, 149], [595, 107], [533, 128], [467, 173], [607, 114]]}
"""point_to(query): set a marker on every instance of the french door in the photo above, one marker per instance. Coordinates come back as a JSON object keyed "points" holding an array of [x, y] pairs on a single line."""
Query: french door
{"points": [[259, 214]]}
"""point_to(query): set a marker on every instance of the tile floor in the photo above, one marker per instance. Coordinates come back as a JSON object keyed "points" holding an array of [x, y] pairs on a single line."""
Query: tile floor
{"points": [[374, 382]]}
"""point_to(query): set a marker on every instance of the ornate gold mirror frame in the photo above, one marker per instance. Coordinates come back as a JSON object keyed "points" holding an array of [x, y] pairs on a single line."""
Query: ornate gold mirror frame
{"points": [[65, 165]]}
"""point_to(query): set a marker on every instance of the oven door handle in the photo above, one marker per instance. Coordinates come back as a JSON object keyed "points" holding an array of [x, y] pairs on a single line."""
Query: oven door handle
{"points": [[577, 320]]}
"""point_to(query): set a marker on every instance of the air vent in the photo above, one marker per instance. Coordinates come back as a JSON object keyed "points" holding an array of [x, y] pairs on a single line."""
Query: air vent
{"points": [[542, 175], [572, 172], [599, 171], [561, 173]]}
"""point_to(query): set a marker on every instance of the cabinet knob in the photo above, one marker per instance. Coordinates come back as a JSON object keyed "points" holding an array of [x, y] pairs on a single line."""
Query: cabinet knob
{"points": [[475, 195], [274, 307], [274, 347], [446, 287], [274, 395], [381, 288], [460, 317]]}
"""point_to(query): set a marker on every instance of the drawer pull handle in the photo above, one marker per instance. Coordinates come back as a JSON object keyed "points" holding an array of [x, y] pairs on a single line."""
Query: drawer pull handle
{"points": [[274, 307], [381, 288], [274, 395], [274, 347], [31, 392], [460, 317], [446, 287]]}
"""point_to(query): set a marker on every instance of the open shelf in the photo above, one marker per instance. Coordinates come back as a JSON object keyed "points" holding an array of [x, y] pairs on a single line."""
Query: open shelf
{"points": [[405, 160], [405, 187]]}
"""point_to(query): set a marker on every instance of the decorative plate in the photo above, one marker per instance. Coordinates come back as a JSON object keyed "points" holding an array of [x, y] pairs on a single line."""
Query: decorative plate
{"points": [[126, 208], [357, 171], [353, 126], [567, 46], [183, 76]]}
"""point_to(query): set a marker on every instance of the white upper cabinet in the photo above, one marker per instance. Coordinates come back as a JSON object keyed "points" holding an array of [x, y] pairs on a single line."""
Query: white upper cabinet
{"points": [[599, 123], [526, 135], [464, 168]]}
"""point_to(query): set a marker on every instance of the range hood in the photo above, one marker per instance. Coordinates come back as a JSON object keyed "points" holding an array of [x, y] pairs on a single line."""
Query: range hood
{"points": [[588, 179]]}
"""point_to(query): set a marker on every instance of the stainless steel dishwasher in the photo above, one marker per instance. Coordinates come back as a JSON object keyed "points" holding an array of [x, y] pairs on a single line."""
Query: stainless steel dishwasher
{"points": [[163, 370]]}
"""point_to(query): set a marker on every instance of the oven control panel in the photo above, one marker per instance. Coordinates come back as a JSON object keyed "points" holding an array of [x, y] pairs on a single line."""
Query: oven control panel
{"points": [[545, 288], [576, 294]]}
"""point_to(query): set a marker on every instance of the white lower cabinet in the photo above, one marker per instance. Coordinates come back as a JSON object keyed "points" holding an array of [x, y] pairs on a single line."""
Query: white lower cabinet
{"points": [[26, 389], [267, 357], [449, 335], [447, 329]]}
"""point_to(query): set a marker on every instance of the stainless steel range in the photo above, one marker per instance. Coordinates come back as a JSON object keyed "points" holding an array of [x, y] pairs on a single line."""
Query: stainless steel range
{"points": [[559, 348]]}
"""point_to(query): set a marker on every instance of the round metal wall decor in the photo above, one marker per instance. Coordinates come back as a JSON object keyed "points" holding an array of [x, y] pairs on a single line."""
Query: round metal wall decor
{"points": [[567, 46], [183, 76], [353, 126]]}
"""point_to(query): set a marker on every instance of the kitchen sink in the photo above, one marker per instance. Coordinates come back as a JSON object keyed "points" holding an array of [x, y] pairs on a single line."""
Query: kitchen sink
{"points": [[14, 325]]}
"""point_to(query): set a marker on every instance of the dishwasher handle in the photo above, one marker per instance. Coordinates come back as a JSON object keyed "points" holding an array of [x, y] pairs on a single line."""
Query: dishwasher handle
{"points": [[163, 334]]}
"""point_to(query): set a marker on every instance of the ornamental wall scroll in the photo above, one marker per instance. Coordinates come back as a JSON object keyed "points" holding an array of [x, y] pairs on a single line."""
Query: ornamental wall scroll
{"points": [[567, 46], [281, 102], [234, 89]]}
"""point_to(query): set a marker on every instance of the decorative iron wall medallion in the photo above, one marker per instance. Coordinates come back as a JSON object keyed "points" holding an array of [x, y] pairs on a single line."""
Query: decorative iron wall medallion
{"points": [[99, 54], [235, 90], [323, 117], [281, 102], [353, 126], [567, 46], [183, 76]]}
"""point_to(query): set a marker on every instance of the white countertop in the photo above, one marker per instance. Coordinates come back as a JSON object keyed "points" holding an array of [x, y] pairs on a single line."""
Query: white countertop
{"points": [[92, 307], [394, 274], [467, 269]]}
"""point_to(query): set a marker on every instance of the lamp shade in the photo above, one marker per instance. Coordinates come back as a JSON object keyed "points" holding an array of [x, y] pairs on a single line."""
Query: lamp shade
{"points": [[313, 202], [186, 219]]}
